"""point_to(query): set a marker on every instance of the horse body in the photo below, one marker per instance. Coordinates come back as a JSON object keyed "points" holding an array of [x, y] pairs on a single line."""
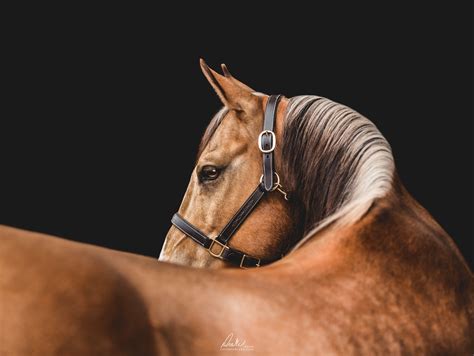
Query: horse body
{"points": [[352, 290], [373, 273]]}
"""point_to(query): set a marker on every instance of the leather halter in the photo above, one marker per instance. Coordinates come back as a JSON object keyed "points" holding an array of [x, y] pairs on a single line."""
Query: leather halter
{"points": [[269, 182]]}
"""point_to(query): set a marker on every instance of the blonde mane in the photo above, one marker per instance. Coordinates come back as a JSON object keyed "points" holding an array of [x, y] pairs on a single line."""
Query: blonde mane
{"points": [[335, 160]]}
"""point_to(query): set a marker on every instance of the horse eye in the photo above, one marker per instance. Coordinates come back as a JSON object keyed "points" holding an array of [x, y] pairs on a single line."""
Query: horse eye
{"points": [[208, 173]]}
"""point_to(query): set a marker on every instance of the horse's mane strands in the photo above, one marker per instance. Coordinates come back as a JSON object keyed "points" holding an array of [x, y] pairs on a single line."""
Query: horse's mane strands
{"points": [[335, 160]]}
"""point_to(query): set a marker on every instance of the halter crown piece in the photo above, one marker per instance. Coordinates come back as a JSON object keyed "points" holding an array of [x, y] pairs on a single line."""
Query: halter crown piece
{"points": [[269, 182]]}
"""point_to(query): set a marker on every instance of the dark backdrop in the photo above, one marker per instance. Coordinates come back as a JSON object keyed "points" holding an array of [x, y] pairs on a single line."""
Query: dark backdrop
{"points": [[104, 108]]}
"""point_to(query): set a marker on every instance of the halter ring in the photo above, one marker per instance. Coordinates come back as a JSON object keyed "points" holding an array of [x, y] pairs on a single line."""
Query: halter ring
{"points": [[276, 184], [260, 146]]}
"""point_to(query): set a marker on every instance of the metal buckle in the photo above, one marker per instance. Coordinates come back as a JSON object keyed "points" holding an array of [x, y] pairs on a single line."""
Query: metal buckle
{"points": [[223, 247], [243, 259], [266, 132]]}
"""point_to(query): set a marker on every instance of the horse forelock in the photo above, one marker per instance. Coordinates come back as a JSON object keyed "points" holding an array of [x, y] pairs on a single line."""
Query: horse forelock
{"points": [[335, 160]]}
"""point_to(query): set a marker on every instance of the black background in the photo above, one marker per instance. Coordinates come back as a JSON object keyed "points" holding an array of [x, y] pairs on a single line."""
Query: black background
{"points": [[104, 108]]}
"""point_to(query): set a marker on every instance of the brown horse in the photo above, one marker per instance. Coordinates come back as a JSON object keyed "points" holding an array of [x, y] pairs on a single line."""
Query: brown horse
{"points": [[372, 271]]}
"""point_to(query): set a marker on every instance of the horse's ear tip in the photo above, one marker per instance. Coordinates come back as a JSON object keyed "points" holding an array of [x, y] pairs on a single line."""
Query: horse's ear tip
{"points": [[225, 70], [204, 67]]}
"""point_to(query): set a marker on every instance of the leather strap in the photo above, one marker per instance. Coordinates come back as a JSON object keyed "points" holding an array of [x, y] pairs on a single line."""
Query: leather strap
{"points": [[191, 231], [240, 216], [268, 141]]}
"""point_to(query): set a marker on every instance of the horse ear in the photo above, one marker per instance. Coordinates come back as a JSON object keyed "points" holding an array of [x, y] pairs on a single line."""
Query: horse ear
{"points": [[238, 82], [234, 94]]}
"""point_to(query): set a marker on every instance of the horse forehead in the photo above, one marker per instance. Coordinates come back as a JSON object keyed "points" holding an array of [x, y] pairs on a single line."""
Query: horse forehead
{"points": [[231, 133]]}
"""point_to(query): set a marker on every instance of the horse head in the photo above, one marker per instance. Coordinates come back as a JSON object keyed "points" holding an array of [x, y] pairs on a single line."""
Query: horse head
{"points": [[228, 170]]}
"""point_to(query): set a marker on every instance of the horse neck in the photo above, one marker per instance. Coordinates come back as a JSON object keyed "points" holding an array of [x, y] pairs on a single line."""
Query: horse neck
{"points": [[341, 167]]}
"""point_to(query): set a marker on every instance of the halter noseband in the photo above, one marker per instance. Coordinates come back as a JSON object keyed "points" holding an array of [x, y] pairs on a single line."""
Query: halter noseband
{"points": [[269, 181]]}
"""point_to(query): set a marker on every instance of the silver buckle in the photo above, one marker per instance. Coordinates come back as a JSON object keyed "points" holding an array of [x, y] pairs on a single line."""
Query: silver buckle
{"points": [[266, 132], [223, 247], [243, 259]]}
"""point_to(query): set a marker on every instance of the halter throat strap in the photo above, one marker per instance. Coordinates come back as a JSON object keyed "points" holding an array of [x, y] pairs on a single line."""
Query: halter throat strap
{"points": [[218, 247]]}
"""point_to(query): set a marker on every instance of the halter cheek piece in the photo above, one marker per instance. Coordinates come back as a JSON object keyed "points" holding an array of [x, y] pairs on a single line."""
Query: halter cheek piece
{"points": [[269, 181]]}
